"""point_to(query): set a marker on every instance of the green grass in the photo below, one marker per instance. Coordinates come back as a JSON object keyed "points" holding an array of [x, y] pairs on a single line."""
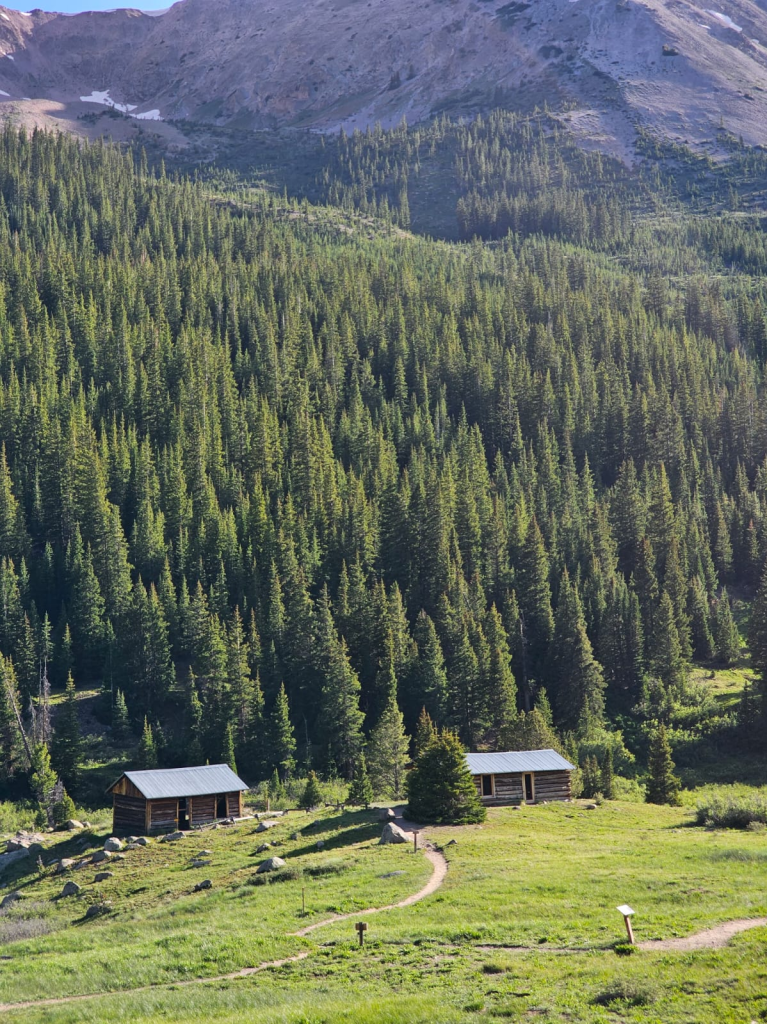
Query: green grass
{"points": [[523, 927]]}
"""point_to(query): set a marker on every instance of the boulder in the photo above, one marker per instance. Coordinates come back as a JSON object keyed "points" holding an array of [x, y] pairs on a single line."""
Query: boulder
{"points": [[72, 825], [97, 909], [264, 826], [263, 847], [386, 814], [591, 807], [65, 864], [393, 834], [295, 835], [70, 889], [118, 856], [204, 884], [133, 846], [100, 855], [102, 876], [11, 898], [205, 853], [200, 863], [80, 864], [272, 864], [6, 859], [142, 841], [173, 837], [320, 844], [113, 845]]}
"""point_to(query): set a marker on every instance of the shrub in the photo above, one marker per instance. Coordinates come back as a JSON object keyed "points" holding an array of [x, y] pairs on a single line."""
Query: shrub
{"points": [[19, 929], [312, 795], [630, 993], [733, 810], [330, 867], [624, 949]]}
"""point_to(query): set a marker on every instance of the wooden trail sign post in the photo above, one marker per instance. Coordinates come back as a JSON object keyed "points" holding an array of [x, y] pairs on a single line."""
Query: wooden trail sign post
{"points": [[415, 842], [361, 928], [303, 901], [626, 910]]}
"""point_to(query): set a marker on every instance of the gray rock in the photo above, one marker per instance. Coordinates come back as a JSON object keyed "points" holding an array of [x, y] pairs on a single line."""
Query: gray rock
{"points": [[204, 884], [133, 846], [393, 834], [200, 863], [113, 845], [6, 859], [11, 898], [320, 844], [173, 837], [386, 814], [70, 889], [591, 807], [392, 874], [264, 826], [98, 909], [80, 864], [295, 835], [100, 855], [72, 825], [453, 842], [65, 864], [142, 841], [102, 876], [263, 847], [205, 853], [118, 856], [272, 864]]}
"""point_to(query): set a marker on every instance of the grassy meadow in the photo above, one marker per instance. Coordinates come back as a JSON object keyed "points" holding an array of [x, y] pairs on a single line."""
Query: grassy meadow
{"points": [[523, 927]]}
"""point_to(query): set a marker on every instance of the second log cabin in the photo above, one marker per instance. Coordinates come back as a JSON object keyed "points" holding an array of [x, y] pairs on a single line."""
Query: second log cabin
{"points": [[520, 776]]}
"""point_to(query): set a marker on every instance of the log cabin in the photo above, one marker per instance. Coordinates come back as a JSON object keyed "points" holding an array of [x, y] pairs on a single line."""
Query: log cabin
{"points": [[163, 800], [520, 776]]}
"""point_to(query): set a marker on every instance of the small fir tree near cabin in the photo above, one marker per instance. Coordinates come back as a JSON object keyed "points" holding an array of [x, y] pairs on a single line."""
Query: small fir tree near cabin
{"points": [[66, 743], [662, 785], [312, 795], [607, 774], [440, 788], [361, 788], [146, 755]]}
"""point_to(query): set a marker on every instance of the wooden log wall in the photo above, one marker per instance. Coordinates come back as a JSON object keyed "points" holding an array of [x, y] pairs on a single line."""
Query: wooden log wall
{"points": [[234, 805], [202, 809], [552, 786], [163, 814], [128, 814]]}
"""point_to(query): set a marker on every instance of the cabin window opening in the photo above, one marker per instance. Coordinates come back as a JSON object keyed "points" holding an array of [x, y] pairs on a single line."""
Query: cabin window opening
{"points": [[221, 807], [487, 785], [183, 813], [529, 787]]}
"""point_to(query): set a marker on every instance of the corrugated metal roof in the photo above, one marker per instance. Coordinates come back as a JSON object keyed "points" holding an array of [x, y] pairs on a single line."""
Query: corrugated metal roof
{"points": [[517, 761], [166, 783]]}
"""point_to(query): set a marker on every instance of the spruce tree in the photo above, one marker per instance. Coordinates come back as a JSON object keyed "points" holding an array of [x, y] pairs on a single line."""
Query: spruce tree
{"points": [[662, 784], [440, 788], [228, 749], [66, 746], [312, 794], [726, 635], [607, 774], [360, 788], [282, 742], [121, 730], [666, 655], [577, 675], [146, 754], [388, 747], [425, 732]]}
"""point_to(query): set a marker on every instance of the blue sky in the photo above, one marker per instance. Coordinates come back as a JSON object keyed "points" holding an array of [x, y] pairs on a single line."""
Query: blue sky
{"points": [[73, 6]]}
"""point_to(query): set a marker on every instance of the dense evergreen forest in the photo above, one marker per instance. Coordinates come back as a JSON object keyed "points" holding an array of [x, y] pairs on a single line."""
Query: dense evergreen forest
{"points": [[275, 485]]}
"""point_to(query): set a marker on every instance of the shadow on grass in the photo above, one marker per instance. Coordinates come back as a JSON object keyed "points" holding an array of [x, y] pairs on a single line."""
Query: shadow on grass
{"points": [[349, 837]]}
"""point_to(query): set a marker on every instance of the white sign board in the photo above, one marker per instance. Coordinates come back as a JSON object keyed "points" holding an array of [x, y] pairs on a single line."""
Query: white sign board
{"points": [[626, 910]]}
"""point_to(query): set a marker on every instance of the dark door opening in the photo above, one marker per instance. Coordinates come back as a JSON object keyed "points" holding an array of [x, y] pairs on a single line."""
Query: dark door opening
{"points": [[487, 785], [183, 813], [529, 788], [221, 807]]}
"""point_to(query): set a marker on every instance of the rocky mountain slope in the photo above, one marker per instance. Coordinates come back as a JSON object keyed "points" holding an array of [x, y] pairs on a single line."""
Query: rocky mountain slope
{"points": [[675, 66]]}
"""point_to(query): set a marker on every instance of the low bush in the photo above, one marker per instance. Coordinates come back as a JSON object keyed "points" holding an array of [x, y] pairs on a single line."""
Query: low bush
{"points": [[735, 809], [330, 867], [18, 929], [630, 993], [290, 874]]}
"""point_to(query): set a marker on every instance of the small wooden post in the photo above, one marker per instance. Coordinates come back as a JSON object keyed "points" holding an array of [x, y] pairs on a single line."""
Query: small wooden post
{"points": [[361, 928], [415, 842], [626, 910], [303, 901]]}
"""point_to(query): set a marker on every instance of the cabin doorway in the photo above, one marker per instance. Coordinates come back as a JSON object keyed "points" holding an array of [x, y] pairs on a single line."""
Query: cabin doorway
{"points": [[529, 787], [183, 814], [221, 807], [487, 785]]}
